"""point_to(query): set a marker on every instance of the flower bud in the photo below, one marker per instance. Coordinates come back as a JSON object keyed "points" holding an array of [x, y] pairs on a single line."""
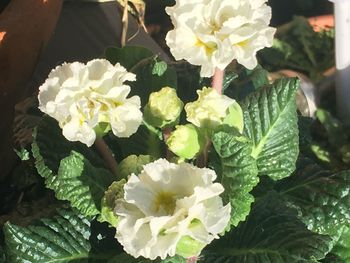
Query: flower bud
{"points": [[163, 108], [185, 141], [188, 247], [209, 110]]}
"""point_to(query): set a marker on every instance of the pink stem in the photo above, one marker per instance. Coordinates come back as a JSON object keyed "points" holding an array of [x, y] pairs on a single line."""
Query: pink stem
{"points": [[218, 79], [191, 260], [106, 154], [166, 135]]}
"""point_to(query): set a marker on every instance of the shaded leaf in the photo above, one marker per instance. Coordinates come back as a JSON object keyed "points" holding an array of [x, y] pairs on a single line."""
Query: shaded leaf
{"points": [[238, 171], [322, 198], [127, 56], [63, 238], [272, 233]]}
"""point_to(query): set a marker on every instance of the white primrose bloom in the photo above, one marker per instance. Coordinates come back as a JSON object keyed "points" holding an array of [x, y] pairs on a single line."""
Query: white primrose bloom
{"points": [[80, 96], [167, 202], [212, 33]]}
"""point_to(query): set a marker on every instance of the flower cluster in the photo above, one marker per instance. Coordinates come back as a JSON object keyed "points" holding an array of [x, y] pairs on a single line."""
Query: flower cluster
{"points": [[212, 33], [80, 97], [167, 203]]}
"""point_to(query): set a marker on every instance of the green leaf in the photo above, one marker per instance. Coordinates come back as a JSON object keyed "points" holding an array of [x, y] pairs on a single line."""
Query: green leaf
{"points": [[146, 141], [272, 233], [270, 121], [335, 130], [80, 183], [238, 171], [159, 68], [127, 56], [133, 164], [2, 255], [342, 248], [50, 147], [322, 198], [64, 238], [79, 177], [245, 81], [148, 82], [23, 154]]}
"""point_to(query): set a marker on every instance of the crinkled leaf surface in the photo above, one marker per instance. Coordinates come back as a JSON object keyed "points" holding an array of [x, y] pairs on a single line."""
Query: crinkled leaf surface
{"points": [[50, 147], [79, 177], [270, 121], [342, 248], [80, 183], [64, 238], [321, 197], [238, 170], [272, 233]]}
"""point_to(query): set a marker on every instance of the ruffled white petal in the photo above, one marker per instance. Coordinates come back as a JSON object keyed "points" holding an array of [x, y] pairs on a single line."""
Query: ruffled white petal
{"points": [[207, 32], [80, 96], [166, 202]]}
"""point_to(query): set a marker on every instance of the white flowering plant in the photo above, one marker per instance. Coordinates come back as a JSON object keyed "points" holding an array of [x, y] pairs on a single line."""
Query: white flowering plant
{"points": [[195, 161]]}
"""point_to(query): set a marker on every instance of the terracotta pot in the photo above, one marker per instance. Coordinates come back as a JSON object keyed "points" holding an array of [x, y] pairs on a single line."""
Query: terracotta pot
{"points": [[322, 22]]}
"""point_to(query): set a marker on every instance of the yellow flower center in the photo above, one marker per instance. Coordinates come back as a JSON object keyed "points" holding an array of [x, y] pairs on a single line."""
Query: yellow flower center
{"points": [[165, 201], [208, 47]]}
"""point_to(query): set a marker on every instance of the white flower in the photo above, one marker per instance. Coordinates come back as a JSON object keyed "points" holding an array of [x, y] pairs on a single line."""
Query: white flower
{"points": [[81, 96], [167, 202], [210, 109], [212, 33]]}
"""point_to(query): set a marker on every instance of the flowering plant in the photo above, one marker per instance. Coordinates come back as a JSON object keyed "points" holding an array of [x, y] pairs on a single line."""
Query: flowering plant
{"points": [[154, 164]]}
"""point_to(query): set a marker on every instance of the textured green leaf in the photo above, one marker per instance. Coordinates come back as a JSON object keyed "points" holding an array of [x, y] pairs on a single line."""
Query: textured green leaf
{"points": [[270, 121], [272, 233], [79, 177], [127, 56], [64, 238], [50, 147], [322, 198], [80, 183], [238, 171], [342, 248]]}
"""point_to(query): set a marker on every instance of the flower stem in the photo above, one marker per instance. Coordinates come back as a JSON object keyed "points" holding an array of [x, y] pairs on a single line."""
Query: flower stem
{"points": [[202, 159], [125, 24], [191, 260], [166, 135], [106, 154], [218, 80]]}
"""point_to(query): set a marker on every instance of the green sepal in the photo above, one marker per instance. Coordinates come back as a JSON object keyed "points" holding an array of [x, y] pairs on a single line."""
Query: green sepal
{"points": [[235, 117], [188, 247], [114, 192]]}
